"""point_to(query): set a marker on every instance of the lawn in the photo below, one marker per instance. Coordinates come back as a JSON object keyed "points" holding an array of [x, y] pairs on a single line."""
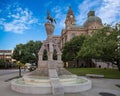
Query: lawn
{"points": [[108, 73]]}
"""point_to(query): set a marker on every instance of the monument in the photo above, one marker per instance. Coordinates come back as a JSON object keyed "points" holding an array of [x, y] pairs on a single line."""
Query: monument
{"points": [[50, 77]]}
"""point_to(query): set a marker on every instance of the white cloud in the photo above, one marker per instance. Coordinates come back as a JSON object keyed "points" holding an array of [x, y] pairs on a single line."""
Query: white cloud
{"points": [[110, 11], [60, 15], [107, 10], [57, 11], [1, 22], [18, 19], [15, 26], [48, 3], [84, 8]]}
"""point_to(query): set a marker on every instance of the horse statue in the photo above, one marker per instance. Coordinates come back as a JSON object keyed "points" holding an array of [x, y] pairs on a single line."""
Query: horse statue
{"points": [[52, 20]]}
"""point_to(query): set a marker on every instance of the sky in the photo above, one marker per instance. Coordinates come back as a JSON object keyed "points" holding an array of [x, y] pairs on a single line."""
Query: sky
{"points": [[23, 20]]}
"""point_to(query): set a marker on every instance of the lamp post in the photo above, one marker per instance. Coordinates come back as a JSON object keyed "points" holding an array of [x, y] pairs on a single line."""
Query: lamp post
{"points": [[3, 55], [19, 64]]}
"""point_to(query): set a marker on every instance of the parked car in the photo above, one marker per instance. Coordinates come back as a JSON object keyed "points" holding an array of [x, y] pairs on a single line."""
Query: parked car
{"points": [[32, 68]]}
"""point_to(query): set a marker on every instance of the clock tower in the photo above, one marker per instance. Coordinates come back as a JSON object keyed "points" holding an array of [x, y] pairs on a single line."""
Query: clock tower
{"points": [[70, 18]]}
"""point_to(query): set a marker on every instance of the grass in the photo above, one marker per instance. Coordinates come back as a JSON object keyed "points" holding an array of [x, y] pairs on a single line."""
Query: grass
{"points": [[108, 73]]}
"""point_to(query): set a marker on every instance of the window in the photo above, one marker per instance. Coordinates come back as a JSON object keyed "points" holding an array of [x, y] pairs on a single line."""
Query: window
{"points": [[72, 35]]}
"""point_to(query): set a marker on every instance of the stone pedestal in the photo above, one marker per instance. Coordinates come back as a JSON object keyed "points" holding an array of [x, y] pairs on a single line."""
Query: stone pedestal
{"points": [[49, 29], [52, 66]]}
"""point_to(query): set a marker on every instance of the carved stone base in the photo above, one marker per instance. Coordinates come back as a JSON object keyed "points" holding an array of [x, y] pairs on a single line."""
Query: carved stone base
{"points": [[44, 66]]}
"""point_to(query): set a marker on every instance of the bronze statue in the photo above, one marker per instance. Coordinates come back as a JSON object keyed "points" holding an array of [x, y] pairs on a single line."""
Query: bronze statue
{"points": [[52, 20]]}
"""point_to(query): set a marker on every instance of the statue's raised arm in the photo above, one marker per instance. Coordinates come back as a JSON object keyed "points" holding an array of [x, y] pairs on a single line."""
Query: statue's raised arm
{"points": [[51, 20]]}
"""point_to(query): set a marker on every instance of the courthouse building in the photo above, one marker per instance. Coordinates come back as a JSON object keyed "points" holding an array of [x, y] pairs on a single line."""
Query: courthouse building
{"points": [[71, 29]]}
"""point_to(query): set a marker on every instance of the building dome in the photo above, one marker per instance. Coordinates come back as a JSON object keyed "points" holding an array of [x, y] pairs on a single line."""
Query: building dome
{"points": [[92, 18]]}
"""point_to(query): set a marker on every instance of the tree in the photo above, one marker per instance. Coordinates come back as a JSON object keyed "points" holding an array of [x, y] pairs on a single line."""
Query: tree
{"points": [[2, 64], [27, 52], [102, 45], [71, 48]]}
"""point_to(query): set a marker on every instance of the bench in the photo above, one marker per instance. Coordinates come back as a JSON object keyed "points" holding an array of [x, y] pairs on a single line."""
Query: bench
{"points": [[94, 75]]}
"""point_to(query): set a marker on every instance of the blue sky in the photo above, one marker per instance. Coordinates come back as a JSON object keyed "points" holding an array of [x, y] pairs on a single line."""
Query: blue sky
{"points": [[23, 20]]}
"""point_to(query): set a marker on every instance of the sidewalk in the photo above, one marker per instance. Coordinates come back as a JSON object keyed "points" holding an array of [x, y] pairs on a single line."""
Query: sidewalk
{"points": [[98, 85]]}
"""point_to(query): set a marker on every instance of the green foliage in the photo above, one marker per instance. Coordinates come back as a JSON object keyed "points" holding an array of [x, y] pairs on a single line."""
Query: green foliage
{"points": [[2, 63], [71, 48], [27, 52], [102, 45], [108, 73]]}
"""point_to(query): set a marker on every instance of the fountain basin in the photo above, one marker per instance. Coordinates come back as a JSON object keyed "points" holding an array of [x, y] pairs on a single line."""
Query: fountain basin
{"points": [[19, 85], [41, 85]]}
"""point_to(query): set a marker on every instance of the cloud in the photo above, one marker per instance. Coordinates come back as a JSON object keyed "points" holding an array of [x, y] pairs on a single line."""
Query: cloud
{"points": [[57, 11], [15, 26], [60, 15], [48, 3], [107, 10], [18, 19], [84, 8], [110, 11], [2, 22]]}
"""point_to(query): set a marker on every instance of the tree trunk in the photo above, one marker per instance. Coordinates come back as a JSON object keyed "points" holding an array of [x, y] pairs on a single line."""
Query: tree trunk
{"points": [[118, 64], [77, 63]]}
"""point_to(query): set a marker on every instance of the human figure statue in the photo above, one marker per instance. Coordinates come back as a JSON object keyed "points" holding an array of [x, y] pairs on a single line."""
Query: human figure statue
{"points": [[52, 20]]}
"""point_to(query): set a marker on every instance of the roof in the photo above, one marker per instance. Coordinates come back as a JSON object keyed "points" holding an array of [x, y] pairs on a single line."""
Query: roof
{"points": [[74, 26], [92, 19]]}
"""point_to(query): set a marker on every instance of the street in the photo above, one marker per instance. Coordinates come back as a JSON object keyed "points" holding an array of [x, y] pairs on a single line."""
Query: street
{"points": [[8, 71]]}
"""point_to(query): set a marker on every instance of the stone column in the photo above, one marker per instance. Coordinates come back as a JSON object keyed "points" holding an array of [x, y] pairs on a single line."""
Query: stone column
{"points": [[40, 57], [59, 57], [50, 56]]}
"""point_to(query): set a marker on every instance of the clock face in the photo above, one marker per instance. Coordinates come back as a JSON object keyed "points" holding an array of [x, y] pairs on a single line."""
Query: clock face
{"points": [[71, 16]]}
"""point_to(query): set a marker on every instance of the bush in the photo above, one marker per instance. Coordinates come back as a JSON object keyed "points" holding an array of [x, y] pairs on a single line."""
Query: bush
{"points": [[2, 64]]}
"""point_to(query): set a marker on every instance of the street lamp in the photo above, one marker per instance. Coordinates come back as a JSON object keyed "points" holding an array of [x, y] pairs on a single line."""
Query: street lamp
{"points": [[19, 64]]}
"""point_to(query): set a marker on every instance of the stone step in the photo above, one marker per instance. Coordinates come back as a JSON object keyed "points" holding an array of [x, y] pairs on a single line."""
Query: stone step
{"points": [[57, 88], [53, 73]]}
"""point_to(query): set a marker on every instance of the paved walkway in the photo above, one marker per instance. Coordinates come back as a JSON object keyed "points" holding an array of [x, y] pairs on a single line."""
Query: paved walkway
{"points": [[98, 85]]}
